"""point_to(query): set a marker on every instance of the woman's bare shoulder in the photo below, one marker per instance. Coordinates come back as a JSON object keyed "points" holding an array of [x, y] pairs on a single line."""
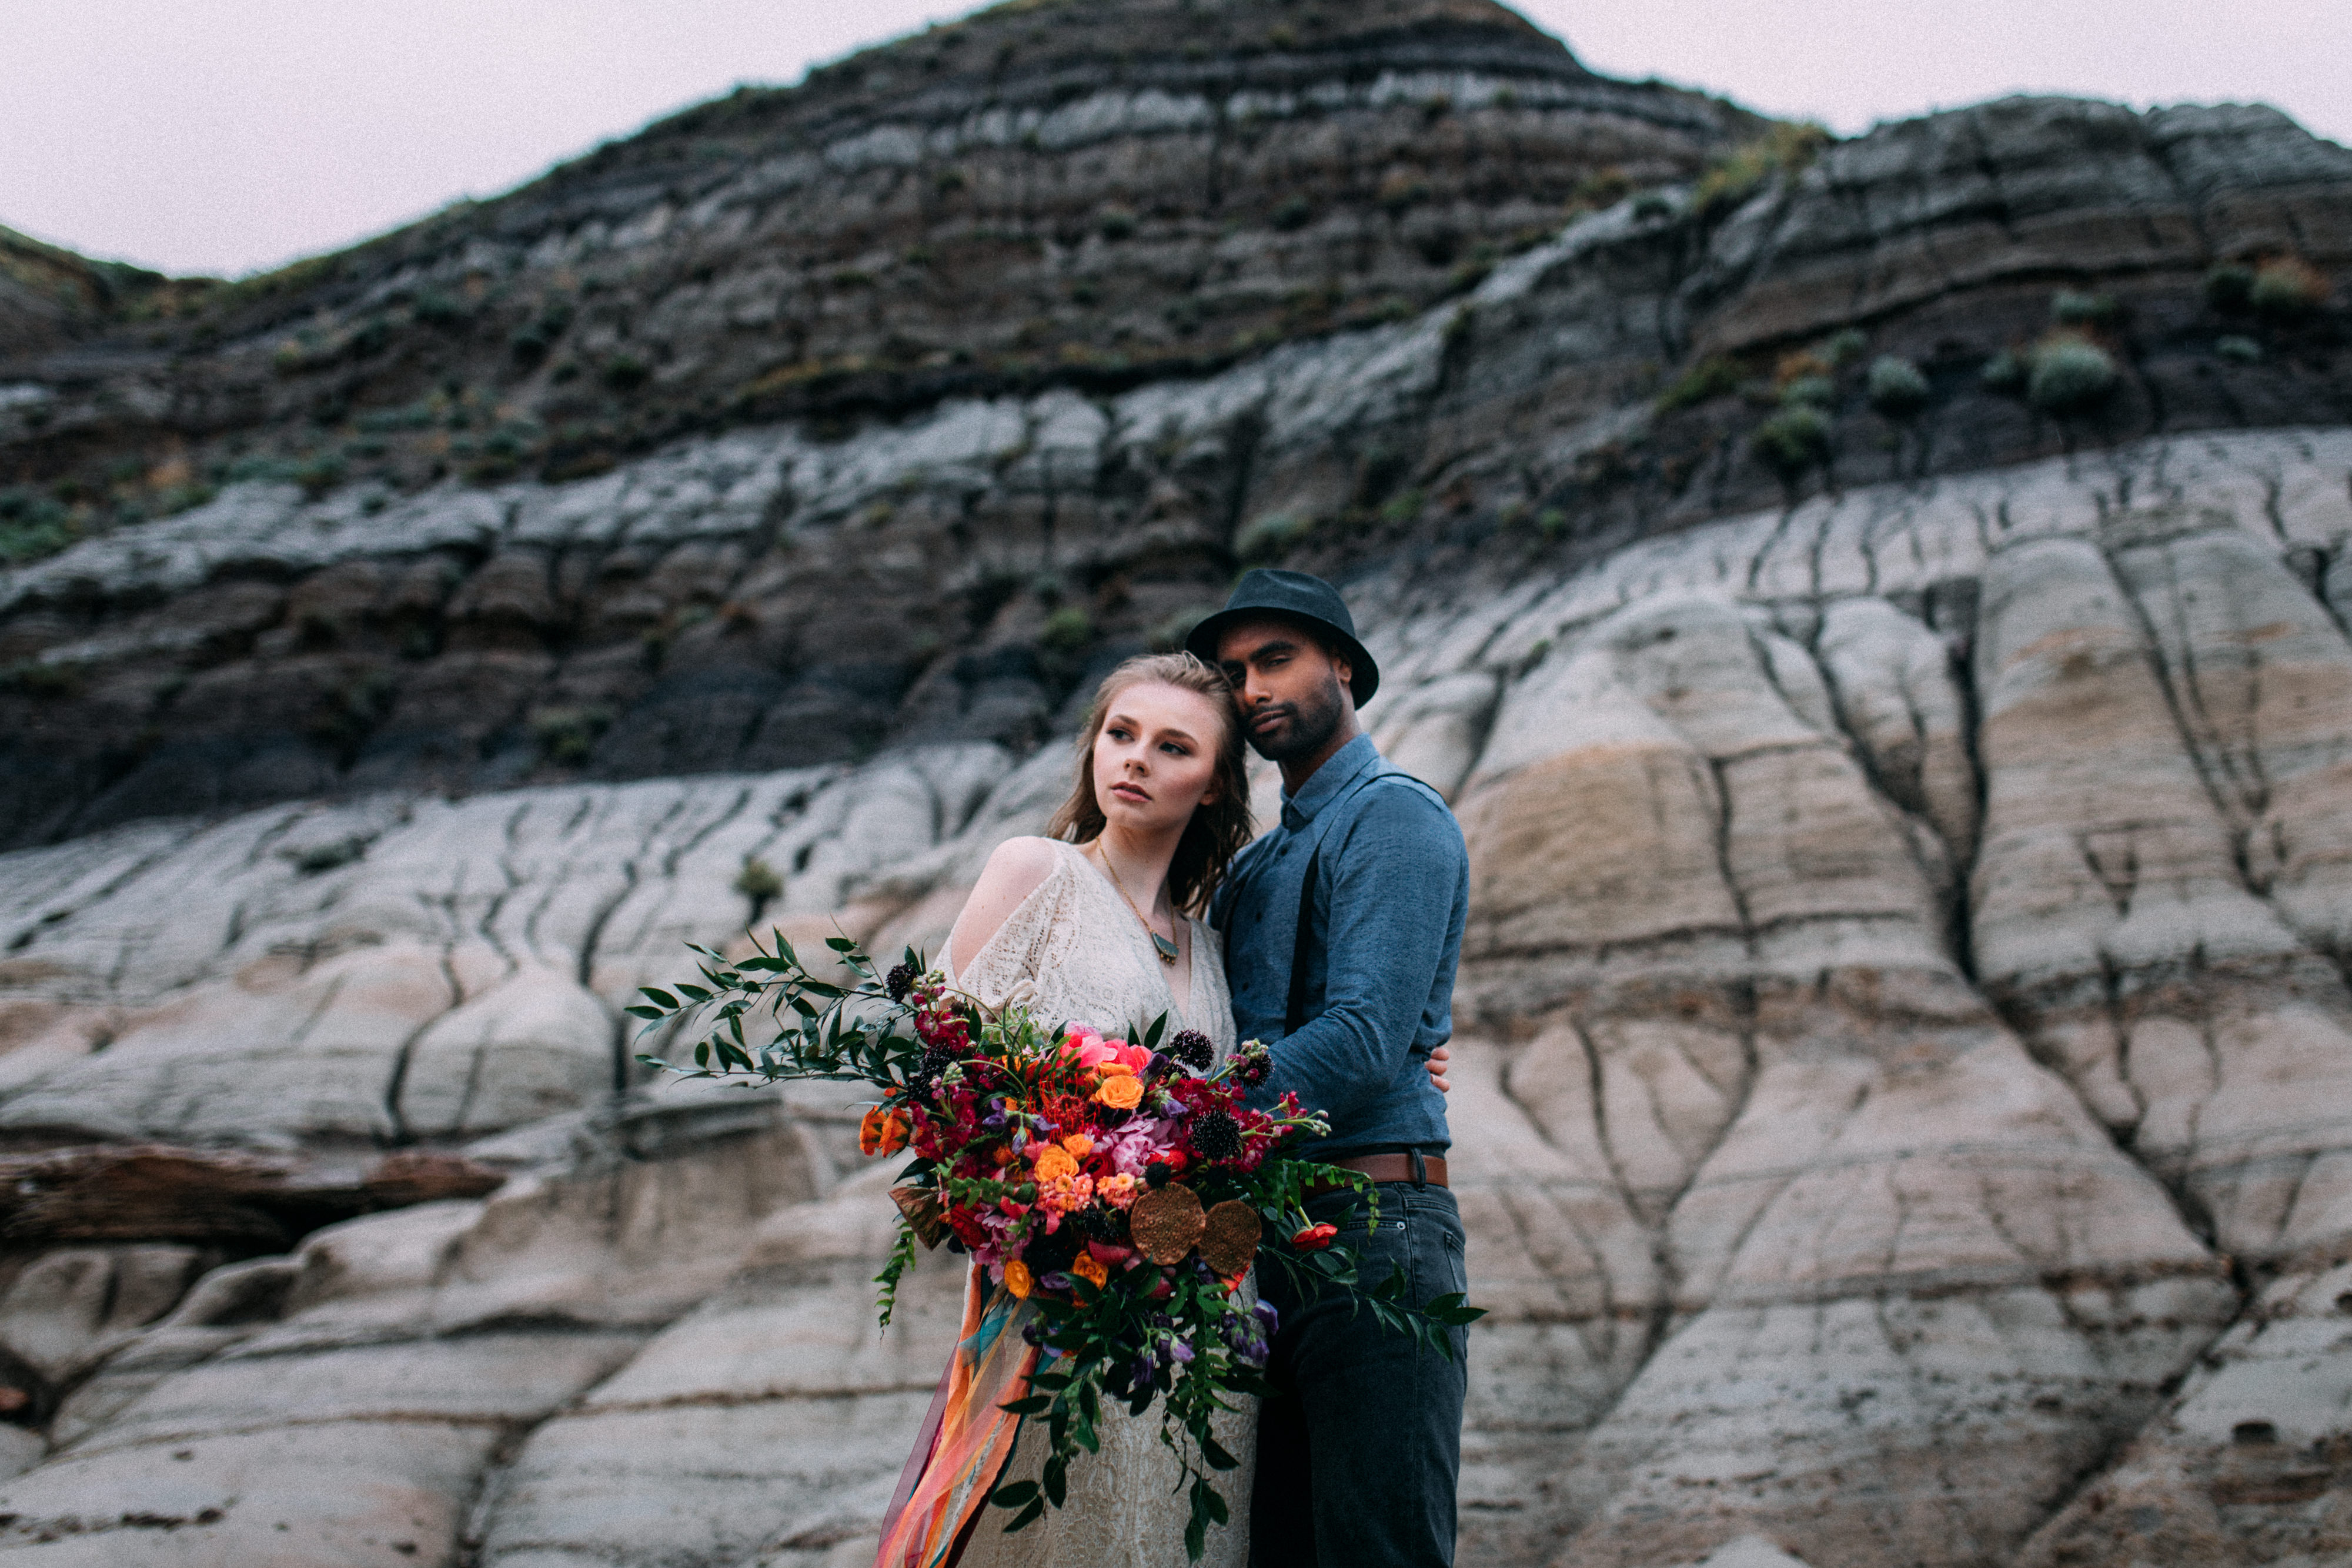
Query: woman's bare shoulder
{"points": [[1019, 863], [1015, 869]]}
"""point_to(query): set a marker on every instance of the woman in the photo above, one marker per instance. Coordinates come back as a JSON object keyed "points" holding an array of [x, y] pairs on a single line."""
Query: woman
{"points": [[1099, 923]]}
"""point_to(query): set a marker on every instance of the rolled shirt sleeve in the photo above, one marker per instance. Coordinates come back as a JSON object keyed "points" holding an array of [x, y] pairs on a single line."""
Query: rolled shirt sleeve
{"points": [[1397, 876]]}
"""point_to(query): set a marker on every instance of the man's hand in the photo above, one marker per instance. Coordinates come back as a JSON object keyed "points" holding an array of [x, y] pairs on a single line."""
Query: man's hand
{"points": [[1437, 1060]]}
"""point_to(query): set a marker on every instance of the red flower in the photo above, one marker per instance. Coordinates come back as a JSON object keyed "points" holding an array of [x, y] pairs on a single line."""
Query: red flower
{"points": [[967, 1229], [1315, 1238]]}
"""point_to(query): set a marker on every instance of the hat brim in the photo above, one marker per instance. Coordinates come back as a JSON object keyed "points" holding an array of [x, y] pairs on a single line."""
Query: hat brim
{"points": [[1363, 673]]}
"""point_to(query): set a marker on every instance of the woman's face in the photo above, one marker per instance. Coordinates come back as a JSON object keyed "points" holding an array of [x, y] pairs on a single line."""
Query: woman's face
{"points": [[1156, 756]]}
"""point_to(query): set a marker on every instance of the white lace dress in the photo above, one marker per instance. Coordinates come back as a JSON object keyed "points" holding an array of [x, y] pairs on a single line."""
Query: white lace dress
{"points": [[1072, 949]]}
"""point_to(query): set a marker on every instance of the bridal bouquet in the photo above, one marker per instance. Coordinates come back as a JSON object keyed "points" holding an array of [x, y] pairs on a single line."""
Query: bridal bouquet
{"points": [[1119, 1185]]}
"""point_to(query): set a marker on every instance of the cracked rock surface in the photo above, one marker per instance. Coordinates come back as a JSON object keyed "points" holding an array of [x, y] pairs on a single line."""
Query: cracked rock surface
{"points": [[1903, 1110]]}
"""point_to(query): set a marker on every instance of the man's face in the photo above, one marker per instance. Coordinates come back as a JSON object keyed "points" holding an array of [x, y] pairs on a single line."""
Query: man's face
{"points": [[1294, 694]]}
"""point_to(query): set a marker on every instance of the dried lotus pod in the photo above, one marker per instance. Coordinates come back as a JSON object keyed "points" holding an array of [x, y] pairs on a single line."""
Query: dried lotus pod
{"points": [[923, 1212], [1167, 1223], [1231, 1240]]}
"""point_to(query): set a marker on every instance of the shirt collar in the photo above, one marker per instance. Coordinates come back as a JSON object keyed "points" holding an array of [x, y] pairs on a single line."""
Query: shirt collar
{"points": [[1341, 768]]}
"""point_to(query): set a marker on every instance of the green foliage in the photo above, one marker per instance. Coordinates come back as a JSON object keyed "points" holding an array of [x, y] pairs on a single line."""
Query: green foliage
{"points": [[1809, 391], [530, 342], [1552, 523], [2239, 351], [1703, 383], [1789, 148], [2286, 288], [1898, 389], [1401, 190], [2230, 287], [1650, 207], [2073, 307], [32, 524], [316, 472], [2070, 376], [1269, 537], [40, 678], [1166, 634], [1792, 442], [1402, 507], [2005, 374], [1845, 347], [1068, 631], [565, 736], [758, 882], [624, 373], [352, 710], [435, 307], [317, 859]]}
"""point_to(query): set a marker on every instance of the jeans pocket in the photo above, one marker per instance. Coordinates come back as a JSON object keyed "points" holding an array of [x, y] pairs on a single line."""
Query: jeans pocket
{"points": [[1438, 1267]]}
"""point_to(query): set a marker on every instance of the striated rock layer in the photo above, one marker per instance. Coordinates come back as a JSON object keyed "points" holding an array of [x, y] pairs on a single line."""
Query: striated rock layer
{"points": [[1905, 1110], [951, 563]]}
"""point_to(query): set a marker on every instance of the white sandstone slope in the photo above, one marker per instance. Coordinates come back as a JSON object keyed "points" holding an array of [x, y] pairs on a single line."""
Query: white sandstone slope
{"points": [[1905, 1110]]}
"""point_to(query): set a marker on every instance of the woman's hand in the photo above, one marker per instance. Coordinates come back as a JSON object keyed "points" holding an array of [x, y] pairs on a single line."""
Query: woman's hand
{"points": [[1437, 1060]]}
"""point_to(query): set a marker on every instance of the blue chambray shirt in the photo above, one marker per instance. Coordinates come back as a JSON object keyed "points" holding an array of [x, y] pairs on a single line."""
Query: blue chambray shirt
{"points": [[1391, 891]]}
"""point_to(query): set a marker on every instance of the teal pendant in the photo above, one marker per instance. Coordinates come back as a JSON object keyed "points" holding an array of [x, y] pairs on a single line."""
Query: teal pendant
{"points": [[1160, 945]]}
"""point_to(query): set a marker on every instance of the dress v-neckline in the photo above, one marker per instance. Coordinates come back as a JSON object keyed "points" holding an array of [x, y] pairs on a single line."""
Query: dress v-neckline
{"points": [[1160, 970]]}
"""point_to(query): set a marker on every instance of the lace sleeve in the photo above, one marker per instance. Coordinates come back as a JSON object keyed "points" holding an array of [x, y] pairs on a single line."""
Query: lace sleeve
{"points": [[1004, 972]]}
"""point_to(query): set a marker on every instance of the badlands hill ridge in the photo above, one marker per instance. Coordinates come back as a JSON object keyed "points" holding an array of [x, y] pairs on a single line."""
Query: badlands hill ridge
{"points": [[1879, 608]]}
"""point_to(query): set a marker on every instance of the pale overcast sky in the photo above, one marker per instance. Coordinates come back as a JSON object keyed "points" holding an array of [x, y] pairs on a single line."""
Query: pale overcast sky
{"points": [[226, 135]]}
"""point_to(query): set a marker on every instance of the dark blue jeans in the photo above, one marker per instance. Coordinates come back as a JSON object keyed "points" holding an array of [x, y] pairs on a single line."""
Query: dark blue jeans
{"points": [[1360, 1447]]}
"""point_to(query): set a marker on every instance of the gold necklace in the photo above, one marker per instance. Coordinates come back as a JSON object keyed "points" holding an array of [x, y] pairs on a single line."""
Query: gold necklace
{"points": [[1168, 950]]}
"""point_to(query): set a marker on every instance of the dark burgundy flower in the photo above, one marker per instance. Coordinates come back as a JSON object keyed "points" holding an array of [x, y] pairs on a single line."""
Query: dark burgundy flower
{"points": [[1216, 1137], [1156, 1174], [901, 980], [1192, 1048]]}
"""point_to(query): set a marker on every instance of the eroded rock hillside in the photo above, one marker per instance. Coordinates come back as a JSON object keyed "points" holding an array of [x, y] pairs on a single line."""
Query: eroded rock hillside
{"points": [[1879, 610]]}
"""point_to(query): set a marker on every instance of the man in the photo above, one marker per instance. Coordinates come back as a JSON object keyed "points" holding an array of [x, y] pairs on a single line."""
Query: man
{"points": [[1342, 928]]}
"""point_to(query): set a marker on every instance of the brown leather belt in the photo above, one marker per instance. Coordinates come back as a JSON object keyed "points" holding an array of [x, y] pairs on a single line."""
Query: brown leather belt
{"points": [[1383, 1167]]}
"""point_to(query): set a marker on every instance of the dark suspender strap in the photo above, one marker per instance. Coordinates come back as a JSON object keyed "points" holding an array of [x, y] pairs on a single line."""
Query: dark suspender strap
{"points": [[1296, 1014]]}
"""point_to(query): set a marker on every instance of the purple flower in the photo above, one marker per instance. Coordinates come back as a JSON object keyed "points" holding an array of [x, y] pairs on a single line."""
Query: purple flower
{"points": [[1180, 1352], [1267, 1315]]}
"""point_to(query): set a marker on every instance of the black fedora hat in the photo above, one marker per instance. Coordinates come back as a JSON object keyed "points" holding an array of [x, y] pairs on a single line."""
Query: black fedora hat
{"points": [[1270, 593]]}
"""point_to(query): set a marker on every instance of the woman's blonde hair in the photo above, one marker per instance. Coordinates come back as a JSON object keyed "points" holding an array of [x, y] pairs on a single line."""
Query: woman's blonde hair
{"points": [[1217, 830]]}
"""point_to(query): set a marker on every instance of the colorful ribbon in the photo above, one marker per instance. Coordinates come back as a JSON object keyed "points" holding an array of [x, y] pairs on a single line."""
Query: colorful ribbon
{"points": [[966, 1437]]}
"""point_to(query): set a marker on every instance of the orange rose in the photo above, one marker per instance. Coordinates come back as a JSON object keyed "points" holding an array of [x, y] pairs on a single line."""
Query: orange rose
{"points": [[1124, 1093], [881, 1131], [1017, 1279], [1055, 1161], [1079, 1145], [1090, 1269]]}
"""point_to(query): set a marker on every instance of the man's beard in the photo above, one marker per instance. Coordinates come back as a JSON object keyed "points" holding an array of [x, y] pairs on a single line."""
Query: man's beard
{"points": [[1313, 722]]}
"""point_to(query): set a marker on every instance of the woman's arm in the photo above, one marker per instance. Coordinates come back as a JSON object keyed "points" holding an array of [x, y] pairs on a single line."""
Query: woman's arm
{"points": [[1012, 874]]}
